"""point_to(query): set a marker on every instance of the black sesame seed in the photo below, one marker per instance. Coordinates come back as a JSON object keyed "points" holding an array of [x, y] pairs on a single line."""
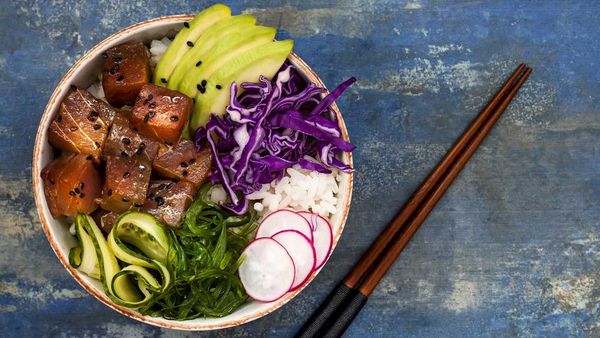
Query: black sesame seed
{"points": [[109, 192], [137, 98], [174, 118], [73, 129], [126, 174], [186, 24], [82, 195], [120, 78], [170, 185], [146, 118], [125, 199], [117, 59], [140, 150], [189, 43], [137, 205], [72, 193], [192, 161], [150, 96], [194, 100], [183, 164], [184, 173], [198, 63], [81, 185], [97, 126], [89, 157], [199, 86], [202, 90], [114, 70], [151, 195], [152, 105], [59, 118], [52, 181], [77, 191], [161, 186], [97, 144], [159, 201], [163, 80], [203, 83], [93, 116], [218, 87], [126, 140], [124, 154], [151, 114], [104, 55]]}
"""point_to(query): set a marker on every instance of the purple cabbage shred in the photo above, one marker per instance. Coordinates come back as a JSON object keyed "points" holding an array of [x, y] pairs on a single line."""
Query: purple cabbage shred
{"points": [[272, 126]]}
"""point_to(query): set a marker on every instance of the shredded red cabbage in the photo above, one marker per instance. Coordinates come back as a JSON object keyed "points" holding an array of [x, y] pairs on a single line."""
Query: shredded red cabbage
{"points": [[273, 126]]}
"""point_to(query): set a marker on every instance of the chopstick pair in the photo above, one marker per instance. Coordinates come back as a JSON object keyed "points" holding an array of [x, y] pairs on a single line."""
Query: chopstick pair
{"points": [[342, 305]]}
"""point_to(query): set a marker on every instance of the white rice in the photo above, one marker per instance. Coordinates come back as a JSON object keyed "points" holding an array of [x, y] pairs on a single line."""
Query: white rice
{"points": [[299, 190], [157, 49], [96, 89]]}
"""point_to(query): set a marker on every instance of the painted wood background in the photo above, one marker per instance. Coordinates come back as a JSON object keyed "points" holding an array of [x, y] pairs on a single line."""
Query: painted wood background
{"points": [[512, 249]]}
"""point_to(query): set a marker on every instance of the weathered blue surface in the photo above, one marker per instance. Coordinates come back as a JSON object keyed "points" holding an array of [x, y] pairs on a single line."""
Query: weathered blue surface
{"points": [[512, 249]]}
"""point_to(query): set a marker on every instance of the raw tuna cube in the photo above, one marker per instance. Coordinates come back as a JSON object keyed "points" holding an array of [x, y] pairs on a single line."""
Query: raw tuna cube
{"points": [[71, 183], [81, 124], [125, 70], [168, 200], [126, 183], [124, 141], [182, 162], [161, 113]]}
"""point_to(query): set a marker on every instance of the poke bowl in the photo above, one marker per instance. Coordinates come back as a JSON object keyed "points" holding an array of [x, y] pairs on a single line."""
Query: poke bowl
{"points": [[60, 231]]}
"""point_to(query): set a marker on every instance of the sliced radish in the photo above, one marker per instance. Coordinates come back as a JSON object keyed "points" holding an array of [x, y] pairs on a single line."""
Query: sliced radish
{"points": [[322, 236], [267, 271], [282, 220], [302, 252]]}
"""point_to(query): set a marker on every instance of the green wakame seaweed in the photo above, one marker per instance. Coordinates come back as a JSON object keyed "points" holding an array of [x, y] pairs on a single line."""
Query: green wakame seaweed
{"points": [[204, 263]]}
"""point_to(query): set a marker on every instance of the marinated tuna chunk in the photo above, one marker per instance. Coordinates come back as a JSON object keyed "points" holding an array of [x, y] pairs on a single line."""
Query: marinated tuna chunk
{"points": [[168, 200], [81, 124], [127, 142], [125, 71], [182, 162], [71, 183], [161, 113], [126, 183]]}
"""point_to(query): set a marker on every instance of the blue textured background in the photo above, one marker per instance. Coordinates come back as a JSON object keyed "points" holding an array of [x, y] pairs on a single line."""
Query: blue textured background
{"points": [[513, 247]]}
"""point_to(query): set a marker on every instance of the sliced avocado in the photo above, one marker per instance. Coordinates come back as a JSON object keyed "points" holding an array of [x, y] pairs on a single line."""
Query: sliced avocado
{"points": [[220, 31], [186, 37], [226, 50], [264, 60]]}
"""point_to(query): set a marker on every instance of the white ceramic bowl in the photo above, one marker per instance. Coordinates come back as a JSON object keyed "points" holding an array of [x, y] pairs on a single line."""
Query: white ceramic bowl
{"points": [[83, 73]]}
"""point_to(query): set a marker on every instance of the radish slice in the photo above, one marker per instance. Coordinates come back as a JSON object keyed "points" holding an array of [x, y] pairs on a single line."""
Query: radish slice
{"points": [[322, 236], [267, 271], [281, 220], [302, 252]]}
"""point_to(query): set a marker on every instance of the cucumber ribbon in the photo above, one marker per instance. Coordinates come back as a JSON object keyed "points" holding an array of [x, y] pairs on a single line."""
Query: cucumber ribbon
{"points": [[139, 242]]}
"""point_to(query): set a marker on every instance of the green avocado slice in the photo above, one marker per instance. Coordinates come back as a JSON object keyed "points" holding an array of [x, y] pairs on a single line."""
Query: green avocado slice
{"points": [[186, 37], [226, 50], [220, 31], [263, 60]]}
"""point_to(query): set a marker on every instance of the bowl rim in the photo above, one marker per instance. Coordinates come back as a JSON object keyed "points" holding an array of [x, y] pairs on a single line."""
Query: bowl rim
{"points": [[40, 199]]}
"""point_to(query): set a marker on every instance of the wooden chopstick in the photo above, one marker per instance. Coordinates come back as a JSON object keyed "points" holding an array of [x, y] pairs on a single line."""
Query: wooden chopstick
{"points": [[333, 316], [370, 256]]}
